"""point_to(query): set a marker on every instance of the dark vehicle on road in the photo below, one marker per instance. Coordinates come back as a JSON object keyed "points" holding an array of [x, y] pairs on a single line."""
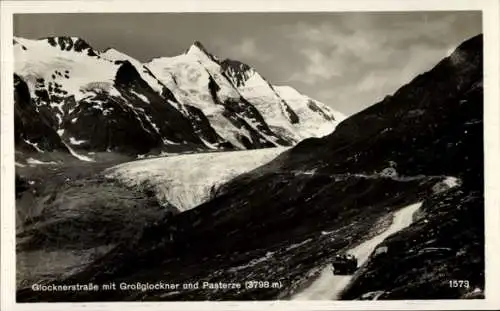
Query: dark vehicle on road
{"points": [[344, 264]]}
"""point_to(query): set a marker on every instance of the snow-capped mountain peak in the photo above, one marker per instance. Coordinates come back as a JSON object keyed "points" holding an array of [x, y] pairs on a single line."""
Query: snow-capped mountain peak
{"points": [[287, 91], [194, 98], [76, 44], [199, 51], [64, 43], [114, 54], [199, 45], [67, 65], [315, 117]]}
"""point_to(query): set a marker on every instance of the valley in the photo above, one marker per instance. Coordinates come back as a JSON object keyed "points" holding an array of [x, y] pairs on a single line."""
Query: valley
{"points": [[201, 170]]}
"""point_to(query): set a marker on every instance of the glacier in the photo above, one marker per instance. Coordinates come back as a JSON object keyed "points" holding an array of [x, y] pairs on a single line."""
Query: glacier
{"points": [[187, 181]]}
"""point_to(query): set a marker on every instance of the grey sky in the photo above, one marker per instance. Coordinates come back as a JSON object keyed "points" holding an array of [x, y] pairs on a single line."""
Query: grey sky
{"points": [[346, 60]]}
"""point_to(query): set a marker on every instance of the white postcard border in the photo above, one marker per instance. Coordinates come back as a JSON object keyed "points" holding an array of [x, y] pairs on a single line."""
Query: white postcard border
{"points": [[490, 13]]}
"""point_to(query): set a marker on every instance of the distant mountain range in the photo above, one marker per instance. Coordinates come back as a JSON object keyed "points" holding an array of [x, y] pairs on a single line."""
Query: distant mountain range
{"points": [[73, 98]]}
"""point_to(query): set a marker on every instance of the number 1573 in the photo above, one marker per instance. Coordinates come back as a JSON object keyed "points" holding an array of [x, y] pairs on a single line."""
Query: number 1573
{"points": [[459, 283]]}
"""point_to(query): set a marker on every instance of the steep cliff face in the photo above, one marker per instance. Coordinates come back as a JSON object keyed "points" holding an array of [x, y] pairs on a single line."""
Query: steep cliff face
{"points": [[32, 130]]}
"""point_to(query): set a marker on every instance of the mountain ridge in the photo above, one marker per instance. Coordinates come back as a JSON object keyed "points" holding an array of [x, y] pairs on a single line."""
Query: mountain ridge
{"points": [[67, 78]]}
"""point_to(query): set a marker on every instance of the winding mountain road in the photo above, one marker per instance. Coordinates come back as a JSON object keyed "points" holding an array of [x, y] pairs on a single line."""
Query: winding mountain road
{"points": [[329, 286]]}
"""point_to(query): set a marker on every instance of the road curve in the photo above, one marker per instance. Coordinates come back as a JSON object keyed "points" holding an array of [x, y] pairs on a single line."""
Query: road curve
{"points": [[328, 286]]}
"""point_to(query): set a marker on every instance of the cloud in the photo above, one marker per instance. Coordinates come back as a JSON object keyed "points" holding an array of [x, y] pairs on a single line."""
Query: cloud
{"points": [[319, 66], [346, 59], [355, 43], [329, 51], [354, 60], [371, 85], [246, 48]]}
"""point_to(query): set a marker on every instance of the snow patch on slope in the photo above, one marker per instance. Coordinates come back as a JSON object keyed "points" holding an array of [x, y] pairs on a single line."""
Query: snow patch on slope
{"points": [[39, 59], [34, 145], [33, 161], [142, 97], [186, 181], [77, 155], [75, 141], [447, 183]]}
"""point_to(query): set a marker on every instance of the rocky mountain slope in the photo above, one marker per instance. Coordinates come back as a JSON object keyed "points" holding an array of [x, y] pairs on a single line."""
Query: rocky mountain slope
{"points": [[84, 100], [284, 221]]}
